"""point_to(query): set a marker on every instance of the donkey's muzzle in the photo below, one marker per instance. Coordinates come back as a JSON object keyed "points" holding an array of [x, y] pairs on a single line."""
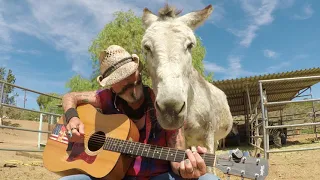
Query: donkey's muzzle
{"points": [[171, 108]]}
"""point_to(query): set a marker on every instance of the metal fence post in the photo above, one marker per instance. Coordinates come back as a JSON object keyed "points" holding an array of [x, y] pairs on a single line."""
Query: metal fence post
{"points": [[1, 107], [263, 120], [40, 128]]}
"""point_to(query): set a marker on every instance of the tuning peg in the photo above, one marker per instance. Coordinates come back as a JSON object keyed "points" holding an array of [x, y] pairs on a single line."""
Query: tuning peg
{"points": [[242, 174], [228, 170], [256, 175], [257, 162], [244, 160], [228, 175]]}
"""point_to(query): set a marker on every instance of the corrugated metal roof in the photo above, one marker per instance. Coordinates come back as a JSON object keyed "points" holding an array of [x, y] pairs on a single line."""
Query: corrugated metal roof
{"points": [[235, 89]]}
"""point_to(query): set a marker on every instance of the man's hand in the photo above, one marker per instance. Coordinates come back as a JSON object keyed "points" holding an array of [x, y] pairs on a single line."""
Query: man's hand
{"points": [[194, 166], [76, 127]]}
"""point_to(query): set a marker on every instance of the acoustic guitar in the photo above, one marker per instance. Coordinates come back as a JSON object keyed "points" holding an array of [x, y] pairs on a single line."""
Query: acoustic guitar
{"points": [[110, 141]]}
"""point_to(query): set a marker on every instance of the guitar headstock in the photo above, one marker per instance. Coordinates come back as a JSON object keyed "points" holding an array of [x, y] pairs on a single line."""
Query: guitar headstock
{"points": [[236, 164]]}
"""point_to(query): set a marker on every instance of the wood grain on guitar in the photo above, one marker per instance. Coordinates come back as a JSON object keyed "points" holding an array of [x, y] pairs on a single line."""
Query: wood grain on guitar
{"points": [[111, 140]]}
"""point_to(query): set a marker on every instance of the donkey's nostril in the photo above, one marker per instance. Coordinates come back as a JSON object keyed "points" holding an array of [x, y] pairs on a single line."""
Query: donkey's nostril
{"points": [[170, 107], [184, 104]]}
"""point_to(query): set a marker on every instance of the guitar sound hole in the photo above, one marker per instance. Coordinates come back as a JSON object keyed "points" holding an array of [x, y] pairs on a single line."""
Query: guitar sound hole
{"points": [[96, 141]]}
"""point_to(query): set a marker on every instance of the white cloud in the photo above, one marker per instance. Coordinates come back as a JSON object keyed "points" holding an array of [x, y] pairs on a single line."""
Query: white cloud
{"points": [[269, 53], [234, 69], [260, 14], [300, 56], [217, 14], [212, 67], [4, 31], [283, 4], [7, 48], [276, 68], [70, 26], [306, 13]]}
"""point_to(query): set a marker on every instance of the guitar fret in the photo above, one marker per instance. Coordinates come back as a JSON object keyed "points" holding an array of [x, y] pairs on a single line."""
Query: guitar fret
{"points": [[175, 155], [105, 144], [137, 148], [154, 152], [120, 146], [160, 153], [150, 151], [130, 147], [168, 154], [125, 147], [184, 156], [111, 145]]}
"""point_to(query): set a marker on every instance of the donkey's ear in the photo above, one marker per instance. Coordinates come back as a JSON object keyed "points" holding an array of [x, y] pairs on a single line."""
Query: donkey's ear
{"points": [[196, 18], [148, 18]]}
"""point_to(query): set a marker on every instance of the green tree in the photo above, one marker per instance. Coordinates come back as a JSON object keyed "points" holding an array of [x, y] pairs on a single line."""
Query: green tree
{"points": [[50, 104], [78, 83], [8, 96], [9, 77], [127, 31]]}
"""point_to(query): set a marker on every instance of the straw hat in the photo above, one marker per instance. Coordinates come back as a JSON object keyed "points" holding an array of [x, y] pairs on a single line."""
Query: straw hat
{"points": [[116, 64]]}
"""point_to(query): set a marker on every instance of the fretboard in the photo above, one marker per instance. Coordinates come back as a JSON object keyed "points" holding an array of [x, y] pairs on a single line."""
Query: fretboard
{"points": [[151, 151]]}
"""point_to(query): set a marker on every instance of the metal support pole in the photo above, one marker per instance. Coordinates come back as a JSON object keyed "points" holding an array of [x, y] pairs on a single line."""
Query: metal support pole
{"points": [[23, 129], [24, 99], [40, 128], [288, 102], [21, 150], [249, 101], [249, 116], [1, 107], [263, 120], [51, 120], [257, 128], [289, 79], [314, 116]]}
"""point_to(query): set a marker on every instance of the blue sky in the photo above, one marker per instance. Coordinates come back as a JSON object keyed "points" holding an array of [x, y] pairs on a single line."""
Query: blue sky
{"points": [[45, 43]]}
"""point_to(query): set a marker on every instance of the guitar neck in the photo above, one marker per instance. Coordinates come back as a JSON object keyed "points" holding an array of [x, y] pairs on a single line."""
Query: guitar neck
{"points": [[152, 151]]}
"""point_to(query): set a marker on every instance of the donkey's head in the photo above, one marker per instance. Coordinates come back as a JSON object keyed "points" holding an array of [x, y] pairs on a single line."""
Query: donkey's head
{"points": [[167, 44]]}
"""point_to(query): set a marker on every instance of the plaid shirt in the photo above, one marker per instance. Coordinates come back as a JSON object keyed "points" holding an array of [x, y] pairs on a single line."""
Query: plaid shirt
{"points": [[142, 168]]}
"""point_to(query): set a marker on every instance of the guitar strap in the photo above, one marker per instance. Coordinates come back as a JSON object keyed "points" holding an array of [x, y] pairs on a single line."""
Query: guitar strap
{"points": [[151, 121]]}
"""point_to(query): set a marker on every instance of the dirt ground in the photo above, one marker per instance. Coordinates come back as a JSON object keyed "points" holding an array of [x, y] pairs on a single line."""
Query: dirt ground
{"points": [[290, 165]]}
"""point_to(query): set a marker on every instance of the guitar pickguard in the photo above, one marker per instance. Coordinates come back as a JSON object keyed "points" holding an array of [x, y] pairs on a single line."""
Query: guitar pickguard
{"points": [[59, 134], [78, 153]]}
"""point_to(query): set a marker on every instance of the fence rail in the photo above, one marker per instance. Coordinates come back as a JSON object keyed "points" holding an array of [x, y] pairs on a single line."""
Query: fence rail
{"points": [[265, 119], [39, 131], [23, 129]]}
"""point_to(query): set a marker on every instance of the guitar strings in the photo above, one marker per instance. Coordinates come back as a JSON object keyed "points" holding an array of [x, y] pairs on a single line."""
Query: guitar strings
{"points": [[99, 139], [95, 141], [108, 141]]}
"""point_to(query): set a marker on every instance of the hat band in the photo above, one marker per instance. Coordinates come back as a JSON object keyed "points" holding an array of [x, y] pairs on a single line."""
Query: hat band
{"points": [[115, 66]]}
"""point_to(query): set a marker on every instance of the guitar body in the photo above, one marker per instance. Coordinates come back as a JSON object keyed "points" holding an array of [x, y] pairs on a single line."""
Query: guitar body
{"points": [[88, 156], [110, 139]]}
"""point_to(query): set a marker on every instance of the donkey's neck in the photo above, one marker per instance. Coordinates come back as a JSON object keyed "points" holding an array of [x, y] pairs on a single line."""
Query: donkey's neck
{"points": [[199, 96]]}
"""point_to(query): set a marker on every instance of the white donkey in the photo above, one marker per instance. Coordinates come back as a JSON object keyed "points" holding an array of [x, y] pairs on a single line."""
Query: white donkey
{"points": [[183, 96]]}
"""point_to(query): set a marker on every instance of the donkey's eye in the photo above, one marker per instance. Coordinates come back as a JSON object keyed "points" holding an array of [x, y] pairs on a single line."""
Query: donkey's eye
{"points": [[190, 46], [147, 47]]}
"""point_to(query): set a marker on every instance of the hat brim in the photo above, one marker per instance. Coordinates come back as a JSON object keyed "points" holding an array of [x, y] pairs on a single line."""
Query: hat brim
{"points": [[119, 74]]}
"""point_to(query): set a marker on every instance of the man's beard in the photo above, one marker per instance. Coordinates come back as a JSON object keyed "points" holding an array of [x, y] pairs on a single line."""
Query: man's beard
{"points": [[135, 95]]}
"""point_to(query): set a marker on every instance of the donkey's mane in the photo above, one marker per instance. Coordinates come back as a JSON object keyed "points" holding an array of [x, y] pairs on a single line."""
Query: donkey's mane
{"points": [[168, 12]]}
